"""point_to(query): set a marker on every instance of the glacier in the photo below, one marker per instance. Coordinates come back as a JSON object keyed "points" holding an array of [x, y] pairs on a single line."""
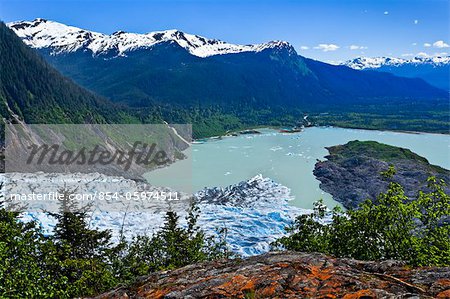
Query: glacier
{"points": [[253, 212]]}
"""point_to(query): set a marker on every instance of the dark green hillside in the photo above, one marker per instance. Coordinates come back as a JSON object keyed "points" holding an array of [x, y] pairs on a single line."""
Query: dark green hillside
{"points": [[272, 87], [169, 74], [275, 77], [351, 85], [436, 75], [37, 93]]}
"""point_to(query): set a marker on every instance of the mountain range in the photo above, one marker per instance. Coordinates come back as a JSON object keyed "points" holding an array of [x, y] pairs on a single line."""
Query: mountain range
{"points": [[33, 91], [61, 38], [218, 86], [434, 70]]}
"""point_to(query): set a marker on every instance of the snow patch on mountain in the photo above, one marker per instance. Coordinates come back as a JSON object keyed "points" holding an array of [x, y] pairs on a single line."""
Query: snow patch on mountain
{"points": [[362, 63], [61, 38]]}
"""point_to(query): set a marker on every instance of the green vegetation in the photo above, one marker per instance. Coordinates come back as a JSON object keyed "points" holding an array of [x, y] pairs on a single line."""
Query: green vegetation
{"points": [[170, 248], [27, 261], [374, 150], [378, 151], [80, 261], [395, 228], [399, 116], [216, 121]]}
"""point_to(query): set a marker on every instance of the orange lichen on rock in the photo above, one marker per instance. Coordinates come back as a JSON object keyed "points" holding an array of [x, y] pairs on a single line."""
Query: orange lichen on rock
{"points": [[444, 294], [360, 294], [319, 273], [235, 285], [291, 275]]}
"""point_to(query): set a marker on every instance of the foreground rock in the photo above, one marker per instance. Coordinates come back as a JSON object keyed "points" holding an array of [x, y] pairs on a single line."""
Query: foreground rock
{"points": [[291, 275], [352, 173]]}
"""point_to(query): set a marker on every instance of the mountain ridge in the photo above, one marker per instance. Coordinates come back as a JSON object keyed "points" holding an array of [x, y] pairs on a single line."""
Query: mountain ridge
{"points": [[251, 86], [85, 55], [36, 93], [42, 33], [434, 70], [361, 63]]}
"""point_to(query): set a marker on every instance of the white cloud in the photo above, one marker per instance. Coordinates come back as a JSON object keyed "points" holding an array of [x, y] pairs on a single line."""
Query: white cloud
{"points": [[334, 62], [407, 55], [427, 45], [356, 47], [422, 54], [304, 47], [440, 44], [386, 12], [416, 22], [414, 44], [441, 54], [327, 47]]}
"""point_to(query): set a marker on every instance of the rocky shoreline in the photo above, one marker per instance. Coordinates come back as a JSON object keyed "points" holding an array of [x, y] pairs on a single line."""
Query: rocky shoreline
{"points": [[352, 172]]}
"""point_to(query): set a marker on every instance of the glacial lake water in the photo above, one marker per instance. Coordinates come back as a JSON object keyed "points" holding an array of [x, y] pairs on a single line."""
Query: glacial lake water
{"points": [[286, 158]]}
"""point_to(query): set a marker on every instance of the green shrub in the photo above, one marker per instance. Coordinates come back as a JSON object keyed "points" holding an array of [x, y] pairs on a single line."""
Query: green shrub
{"points": [[415, 231]]}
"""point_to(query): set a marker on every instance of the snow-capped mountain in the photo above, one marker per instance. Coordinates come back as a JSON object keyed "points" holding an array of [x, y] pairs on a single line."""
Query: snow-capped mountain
{"points": [[434, 70], [61, 38], [141, 70], [361, 63]]}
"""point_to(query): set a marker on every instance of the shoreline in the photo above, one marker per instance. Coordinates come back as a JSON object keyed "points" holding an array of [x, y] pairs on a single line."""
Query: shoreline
{"points": [[229, 134], [387, 130]]}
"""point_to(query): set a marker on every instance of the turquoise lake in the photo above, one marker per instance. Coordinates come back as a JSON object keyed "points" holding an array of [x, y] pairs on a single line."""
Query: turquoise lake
{"points": [[286, 158]]}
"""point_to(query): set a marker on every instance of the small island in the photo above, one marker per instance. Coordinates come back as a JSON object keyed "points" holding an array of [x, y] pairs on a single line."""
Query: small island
{"points": [[352, 172]]}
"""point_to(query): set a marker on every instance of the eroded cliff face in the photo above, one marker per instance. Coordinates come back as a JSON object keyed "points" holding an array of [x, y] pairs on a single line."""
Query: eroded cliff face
{"points": [[291, 275]]}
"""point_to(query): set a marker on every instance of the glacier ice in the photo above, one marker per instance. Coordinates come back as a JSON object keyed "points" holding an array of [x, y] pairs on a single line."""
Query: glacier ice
{"points": [[253, 212]]}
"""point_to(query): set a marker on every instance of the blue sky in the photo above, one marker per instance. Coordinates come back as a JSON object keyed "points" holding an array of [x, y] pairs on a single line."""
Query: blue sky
{"points": [[325, 30]]}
